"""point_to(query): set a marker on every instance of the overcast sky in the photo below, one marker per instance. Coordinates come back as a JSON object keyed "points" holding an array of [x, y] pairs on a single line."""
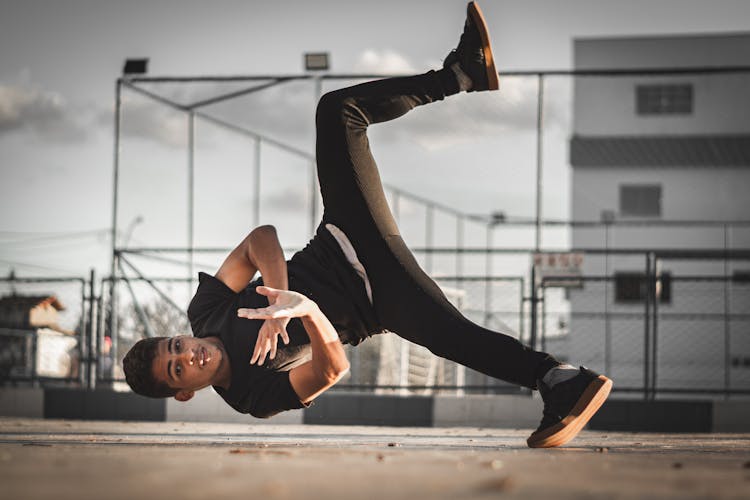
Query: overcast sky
{"points": [[59, 61]]}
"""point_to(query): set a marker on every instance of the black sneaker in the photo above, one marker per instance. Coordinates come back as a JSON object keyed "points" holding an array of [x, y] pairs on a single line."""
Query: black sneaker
{"points": [[568, 406], [474, 52]]}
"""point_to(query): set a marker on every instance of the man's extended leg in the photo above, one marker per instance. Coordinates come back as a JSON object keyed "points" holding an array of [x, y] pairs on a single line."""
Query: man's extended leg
{"points": [[405, 299]]}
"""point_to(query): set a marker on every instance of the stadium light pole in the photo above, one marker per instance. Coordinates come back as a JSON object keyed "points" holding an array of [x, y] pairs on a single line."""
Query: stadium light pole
{"points": [[129, 231], [130, 68]]}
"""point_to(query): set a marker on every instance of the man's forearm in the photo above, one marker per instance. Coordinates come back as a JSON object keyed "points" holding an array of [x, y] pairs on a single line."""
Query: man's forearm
{"points": [[328, 356], [264, 250]]}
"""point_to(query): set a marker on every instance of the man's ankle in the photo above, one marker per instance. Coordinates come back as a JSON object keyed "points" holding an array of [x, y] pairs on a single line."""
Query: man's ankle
{"points": [[464, 80], [544, 367], [558, 374], [448, 81]]}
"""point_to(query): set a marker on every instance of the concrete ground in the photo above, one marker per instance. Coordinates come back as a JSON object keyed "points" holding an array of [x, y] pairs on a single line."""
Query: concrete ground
{"points": [[66, 459]]}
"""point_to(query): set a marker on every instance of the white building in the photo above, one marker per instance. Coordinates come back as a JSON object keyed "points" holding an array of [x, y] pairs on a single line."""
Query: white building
{"points": [[673, 148]]}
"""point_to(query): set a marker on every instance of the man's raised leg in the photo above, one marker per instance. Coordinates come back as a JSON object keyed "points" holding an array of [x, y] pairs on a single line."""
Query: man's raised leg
{"points": [[405, 299]]}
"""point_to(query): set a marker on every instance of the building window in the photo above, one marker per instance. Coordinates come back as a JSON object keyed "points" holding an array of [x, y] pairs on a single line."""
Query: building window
{"points": [[640, 200], [664, 99], [630, 288]]}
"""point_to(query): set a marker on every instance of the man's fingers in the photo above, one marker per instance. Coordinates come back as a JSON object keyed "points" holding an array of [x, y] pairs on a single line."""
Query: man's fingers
{"points": [[272, 352], [270, 312], [264, 351], [260, 350], [252, 313], [284, 335], [256, 351], [267, 291], [267, 343]]}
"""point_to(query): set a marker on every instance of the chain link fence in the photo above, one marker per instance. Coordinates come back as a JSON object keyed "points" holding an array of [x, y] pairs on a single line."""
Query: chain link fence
{"points": [[691, 336]]}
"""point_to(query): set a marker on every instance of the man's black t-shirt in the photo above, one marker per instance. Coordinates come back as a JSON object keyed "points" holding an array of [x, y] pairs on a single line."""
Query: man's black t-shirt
{"points": [[321, 272]]}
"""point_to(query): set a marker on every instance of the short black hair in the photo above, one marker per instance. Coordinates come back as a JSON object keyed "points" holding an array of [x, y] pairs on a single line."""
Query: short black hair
{"points": [[139, 375]]}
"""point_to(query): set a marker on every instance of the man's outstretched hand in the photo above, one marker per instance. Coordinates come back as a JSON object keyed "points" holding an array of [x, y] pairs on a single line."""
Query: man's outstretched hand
{"points": [[285, 305]]}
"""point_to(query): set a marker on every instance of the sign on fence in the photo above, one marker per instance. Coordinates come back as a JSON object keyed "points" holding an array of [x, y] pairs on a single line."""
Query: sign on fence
{"points": [[559, 269]]}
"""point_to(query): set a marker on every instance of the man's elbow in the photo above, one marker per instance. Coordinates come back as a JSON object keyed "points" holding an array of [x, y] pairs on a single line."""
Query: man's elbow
{"points": [[334, 372], [342, 370], [262, 232], [259, 239]]}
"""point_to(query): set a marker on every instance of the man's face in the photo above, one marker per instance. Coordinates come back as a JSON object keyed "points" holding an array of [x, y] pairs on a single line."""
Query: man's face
{"points": [[187, 364]]}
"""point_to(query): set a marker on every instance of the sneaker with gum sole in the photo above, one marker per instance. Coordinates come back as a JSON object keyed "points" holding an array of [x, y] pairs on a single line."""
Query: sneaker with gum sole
{"points": [[474, 52], [568, 406]]}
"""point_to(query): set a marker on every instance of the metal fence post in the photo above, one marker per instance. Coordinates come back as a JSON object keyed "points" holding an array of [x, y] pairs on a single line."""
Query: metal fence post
{"points": [[646, 322], [488, 273], [459, 246], [84, 355], [256, 200], [100, 333], [113, 326], [539, 150], [607, 320], [191, 200], [543, 300], [521, 316], [655, 296], [428, 236], [91, 358], [534, 319], [727, 312]]}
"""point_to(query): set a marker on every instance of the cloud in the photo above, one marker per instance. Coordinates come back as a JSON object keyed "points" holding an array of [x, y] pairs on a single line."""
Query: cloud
{"points": [[288, 199], [283, 112], [384, 62], [151, 121], [46, 114]]}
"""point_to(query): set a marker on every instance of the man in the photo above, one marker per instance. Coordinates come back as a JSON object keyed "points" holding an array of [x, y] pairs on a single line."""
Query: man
{"points": [[355, 278]]}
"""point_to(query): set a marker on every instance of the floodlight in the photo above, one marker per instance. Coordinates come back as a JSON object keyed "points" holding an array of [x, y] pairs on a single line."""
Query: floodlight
{"points": [[135, 66], [316, 61], [497, 217]]}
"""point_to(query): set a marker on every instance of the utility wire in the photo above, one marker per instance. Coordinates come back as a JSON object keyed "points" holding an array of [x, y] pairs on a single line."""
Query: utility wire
{"points": [[34, 237], [36, 266]]}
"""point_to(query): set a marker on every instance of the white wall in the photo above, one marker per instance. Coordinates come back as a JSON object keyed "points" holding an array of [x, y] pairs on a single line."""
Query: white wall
{"points": [[606, 105]]}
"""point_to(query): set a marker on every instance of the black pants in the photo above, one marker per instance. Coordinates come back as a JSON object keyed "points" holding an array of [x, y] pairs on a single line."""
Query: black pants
{"points": [[406, 301]]}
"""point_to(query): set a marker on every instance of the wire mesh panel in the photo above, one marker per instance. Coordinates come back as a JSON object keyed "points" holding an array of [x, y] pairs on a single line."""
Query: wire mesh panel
{"points": [[690, 335], [606, 335]]}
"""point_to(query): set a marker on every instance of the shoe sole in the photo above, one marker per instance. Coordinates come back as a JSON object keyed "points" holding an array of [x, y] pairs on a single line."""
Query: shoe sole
{"points": [[587, 405], [493, 82]]}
